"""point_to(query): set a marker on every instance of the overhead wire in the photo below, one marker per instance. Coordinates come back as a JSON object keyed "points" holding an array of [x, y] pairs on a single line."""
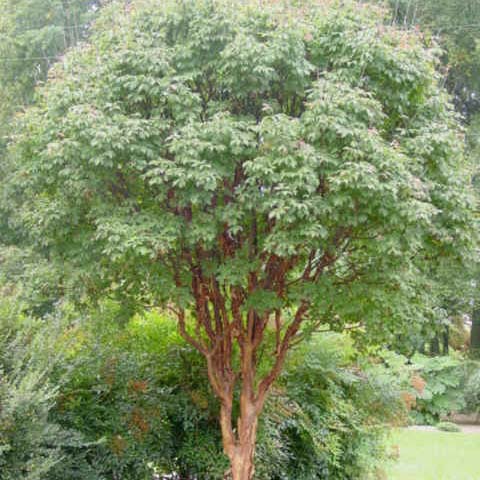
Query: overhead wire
{"points": [[56, 59], [414, 27]]}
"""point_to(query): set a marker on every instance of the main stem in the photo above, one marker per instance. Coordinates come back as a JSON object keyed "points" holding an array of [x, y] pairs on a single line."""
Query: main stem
{"points": [[242, 461], [214, 337], [240, 446]]}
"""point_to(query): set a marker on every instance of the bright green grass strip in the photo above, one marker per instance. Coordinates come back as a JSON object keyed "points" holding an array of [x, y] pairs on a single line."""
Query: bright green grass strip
{"points": [[436, 456]]}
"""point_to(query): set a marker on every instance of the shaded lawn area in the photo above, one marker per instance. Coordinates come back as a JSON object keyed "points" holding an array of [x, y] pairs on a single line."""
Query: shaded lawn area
{"points": [[432, 455]]}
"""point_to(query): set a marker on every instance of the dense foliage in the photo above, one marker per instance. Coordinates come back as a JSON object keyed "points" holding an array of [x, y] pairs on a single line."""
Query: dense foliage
{"points": [[257, 175], [443, 390], [31, 443], [124, 403], [84, 399], [136, 158]]}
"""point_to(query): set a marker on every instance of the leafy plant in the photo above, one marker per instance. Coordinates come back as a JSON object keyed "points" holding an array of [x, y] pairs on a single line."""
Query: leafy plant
{"points": [[140, 396], [31, 444], [448, 427], [472, 388], [443, 393]]}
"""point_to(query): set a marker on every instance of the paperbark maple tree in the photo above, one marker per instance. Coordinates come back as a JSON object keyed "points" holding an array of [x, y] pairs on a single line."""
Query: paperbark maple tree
{"points": [[258, 171]]}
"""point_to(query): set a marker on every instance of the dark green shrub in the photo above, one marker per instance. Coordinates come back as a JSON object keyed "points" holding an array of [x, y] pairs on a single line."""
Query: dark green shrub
{"points": [[144, 393], [141, 395], [472, 388], [448, 427], [31, 445]]}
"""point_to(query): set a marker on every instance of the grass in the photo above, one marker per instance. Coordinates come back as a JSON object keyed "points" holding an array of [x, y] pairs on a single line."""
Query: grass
{"points": [[431, 455]]}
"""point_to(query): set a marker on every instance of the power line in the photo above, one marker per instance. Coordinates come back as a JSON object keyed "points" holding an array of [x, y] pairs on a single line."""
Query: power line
{"points": [[57, 7], [27, 59], [37, 29]]}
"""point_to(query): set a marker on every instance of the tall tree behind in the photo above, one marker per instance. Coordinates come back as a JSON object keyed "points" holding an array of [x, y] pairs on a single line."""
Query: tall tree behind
{"points": [[456, 25], [473, 138], [34, 34]]}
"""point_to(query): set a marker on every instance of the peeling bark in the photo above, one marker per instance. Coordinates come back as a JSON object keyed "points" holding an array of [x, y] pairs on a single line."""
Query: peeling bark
{"points": [[221, 326]]}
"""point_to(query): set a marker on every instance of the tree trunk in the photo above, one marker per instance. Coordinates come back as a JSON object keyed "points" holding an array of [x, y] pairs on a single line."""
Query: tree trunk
{"points": [[242, 461], [435, 346], [238, 443], [240, 446], [446, 340], [475, 333]]}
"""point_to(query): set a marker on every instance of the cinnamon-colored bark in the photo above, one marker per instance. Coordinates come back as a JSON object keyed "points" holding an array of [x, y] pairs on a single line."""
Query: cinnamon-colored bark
{"points": [[222, 326]]}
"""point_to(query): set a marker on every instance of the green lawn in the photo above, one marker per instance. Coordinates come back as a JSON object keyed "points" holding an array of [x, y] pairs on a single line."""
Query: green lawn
{"points": [[436, 456]]}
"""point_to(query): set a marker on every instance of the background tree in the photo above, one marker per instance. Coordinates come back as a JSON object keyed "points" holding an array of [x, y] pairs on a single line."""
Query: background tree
{"points": [[455, 24], [34, 35], [259, 172]]}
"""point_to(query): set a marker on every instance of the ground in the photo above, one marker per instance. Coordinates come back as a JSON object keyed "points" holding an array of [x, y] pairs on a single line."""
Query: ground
{"points": [[432, 455]]}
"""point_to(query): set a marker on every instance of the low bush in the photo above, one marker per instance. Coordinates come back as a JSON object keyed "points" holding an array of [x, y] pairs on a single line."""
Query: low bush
{"points": [[448, 427], [343, 407], [107, 402], [443, 392], [139, 396], [434, 387], [472, 388], [31, 444], [144, 393]]}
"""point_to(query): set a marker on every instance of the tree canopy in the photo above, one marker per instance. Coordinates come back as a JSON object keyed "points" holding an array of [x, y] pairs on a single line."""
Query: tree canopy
{"points": [[34, 34], [455, 23], [259, 172]]}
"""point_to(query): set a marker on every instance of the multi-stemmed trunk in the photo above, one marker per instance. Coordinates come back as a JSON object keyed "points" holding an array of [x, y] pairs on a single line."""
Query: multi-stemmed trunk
{"points": [[239, 445], [231, 342], [239, 441], [242, 461]]}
